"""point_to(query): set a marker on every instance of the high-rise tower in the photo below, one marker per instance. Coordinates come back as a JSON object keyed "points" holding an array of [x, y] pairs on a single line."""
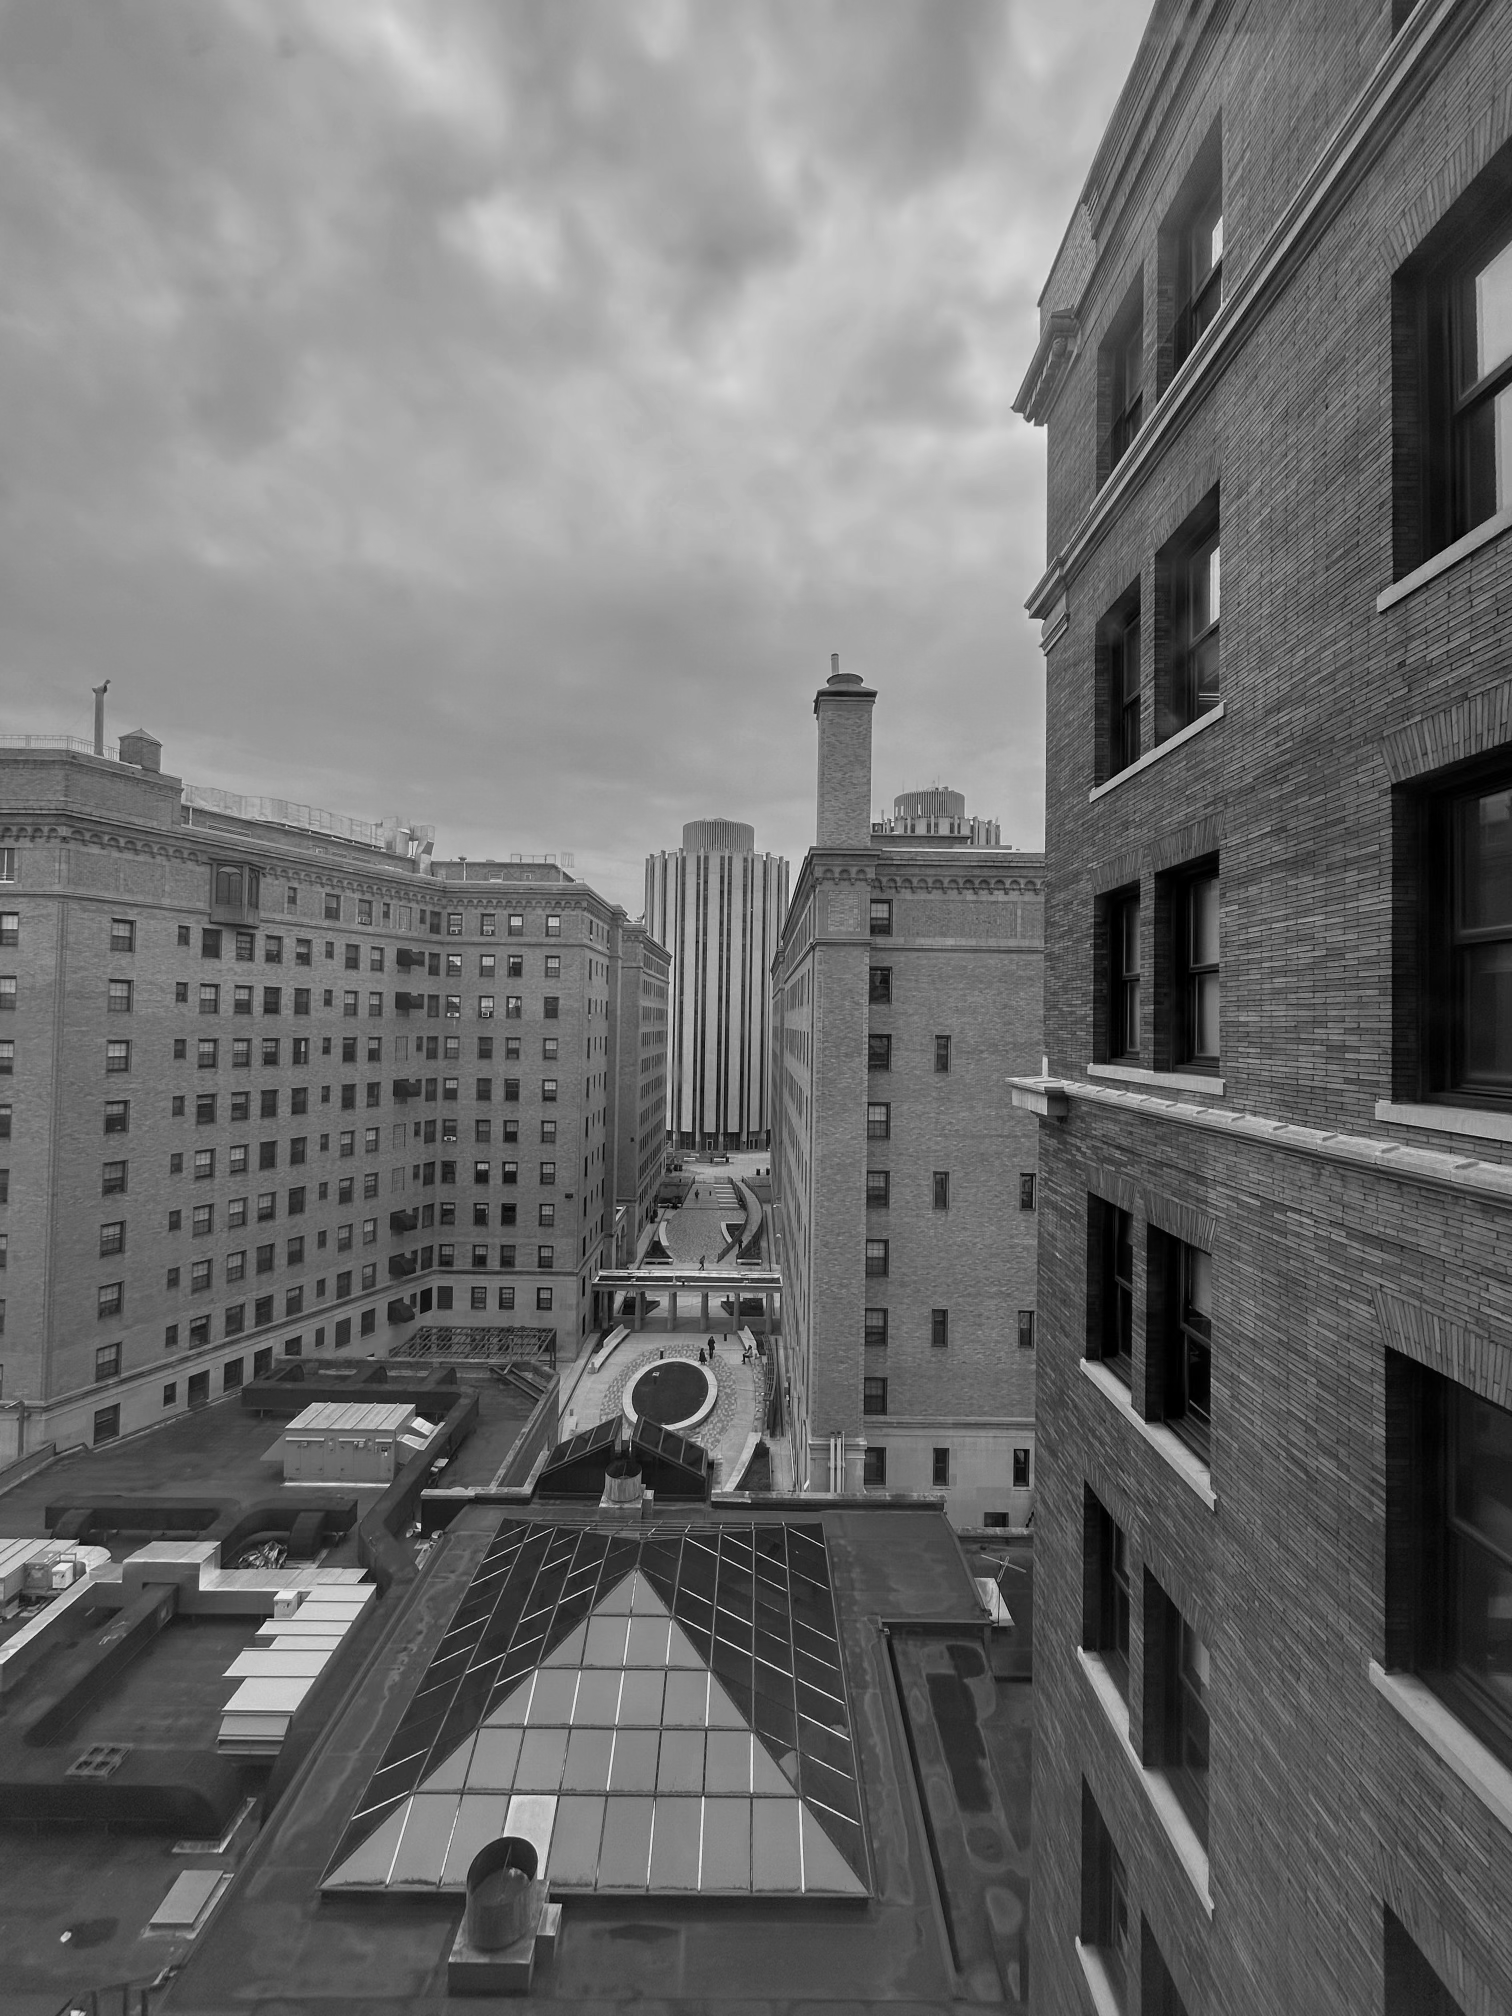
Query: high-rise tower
{"points": [[717, 906]]}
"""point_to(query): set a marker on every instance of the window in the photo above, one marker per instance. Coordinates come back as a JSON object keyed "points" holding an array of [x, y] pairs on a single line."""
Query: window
{"points": [[543, 1295], [1197, 970], [876, 1326], [304, 951], [879, 985], [881, 917], [873, 1470], [1026, 1329], [548, 1089], [878, 1122], [7, 864], [1026, 1192], [210, 943], [942, 1189], [107, 1362], [1183, 1679], [1020, 1472], [1449, 1545], [202, 1221], [1118, 651], [118, 997], [117, 1116], [241, 1000], [514, 1007], [1105, 1629], [879, 1053], [1187, 1345], [273, 951], [485, 1007], [878, 1189], [7, 1058], [876, 1256], [1188, 578], [939, 1329], [113, 1179], [1466, 873], [1123, 974], [1111, 1312], [550, 1007], [549, 1050], [516, 926], [553, 927], [1457, 310], [942, 1053], [874, 1396], [514, 965], [546, 1214], [7, 992], [553, 965], [110, 1299], [332, 911], [940, 1472], [545, 1258], [1121, 380], [112, 1239], [1192, 252], [548, 1134], [107, 1424], [1105, 1901]]}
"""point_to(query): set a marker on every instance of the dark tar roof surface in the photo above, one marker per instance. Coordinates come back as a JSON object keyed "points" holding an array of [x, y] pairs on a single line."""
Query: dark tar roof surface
{"points": [[277, 1945]]}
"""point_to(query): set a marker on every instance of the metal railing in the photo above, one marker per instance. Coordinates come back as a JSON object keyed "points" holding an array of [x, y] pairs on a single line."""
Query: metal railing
{"points": [[123, 1998], [81, 743]]}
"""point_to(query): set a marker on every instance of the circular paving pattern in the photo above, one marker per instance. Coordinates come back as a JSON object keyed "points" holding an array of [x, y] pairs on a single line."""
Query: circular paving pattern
{"points": [[673, 1392]]}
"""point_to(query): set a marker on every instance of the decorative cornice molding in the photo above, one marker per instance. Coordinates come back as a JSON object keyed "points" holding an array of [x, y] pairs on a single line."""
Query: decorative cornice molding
{"points": [[1482, 1182], [1054, 354]]}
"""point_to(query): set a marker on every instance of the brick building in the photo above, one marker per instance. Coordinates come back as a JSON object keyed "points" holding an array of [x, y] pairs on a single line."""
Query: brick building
{"points": [[641, 972], [276, 1083], [717, 905], [1273, 1576], [906, 990]]}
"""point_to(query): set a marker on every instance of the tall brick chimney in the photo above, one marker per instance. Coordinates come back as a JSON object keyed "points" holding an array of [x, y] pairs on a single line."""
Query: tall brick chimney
{"points": [[843, 707]]}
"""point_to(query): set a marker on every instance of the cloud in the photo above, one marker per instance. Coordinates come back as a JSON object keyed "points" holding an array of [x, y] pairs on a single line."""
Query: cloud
{"points": [[496, 411]]}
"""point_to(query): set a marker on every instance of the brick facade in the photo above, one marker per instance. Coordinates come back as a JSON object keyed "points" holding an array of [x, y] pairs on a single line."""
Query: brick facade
{"points": [[964, 956], [400, 1126], [1352, 1227]]}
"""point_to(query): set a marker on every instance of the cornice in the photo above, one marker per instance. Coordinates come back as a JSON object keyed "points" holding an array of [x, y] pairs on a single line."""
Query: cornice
{"points": [[1054, 354], [1411, 63]]}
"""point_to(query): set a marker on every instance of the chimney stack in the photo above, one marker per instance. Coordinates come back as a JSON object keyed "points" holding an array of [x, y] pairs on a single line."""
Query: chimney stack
{"points": [[99, 736], [843, 708]]}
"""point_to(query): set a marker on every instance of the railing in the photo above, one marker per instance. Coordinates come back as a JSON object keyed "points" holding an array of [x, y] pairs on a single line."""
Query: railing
{"points": [[81, 743], [124, 1998]]}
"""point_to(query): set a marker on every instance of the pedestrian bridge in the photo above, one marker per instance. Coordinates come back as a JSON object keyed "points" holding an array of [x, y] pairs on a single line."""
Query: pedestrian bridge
{"points": [[677, 1283]]}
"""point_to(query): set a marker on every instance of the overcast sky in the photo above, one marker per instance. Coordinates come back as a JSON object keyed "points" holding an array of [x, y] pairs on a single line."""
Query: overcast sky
{"points": [[496, 413]]}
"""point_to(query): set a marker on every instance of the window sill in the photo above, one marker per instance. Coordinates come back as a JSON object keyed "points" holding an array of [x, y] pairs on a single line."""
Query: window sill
{"points": [[1179, 1831], [1441, 563], [1466, 1756], [1480, 1122], [1099, 1996], [1154, 755], [1173, 1081], [1164, 1441]]}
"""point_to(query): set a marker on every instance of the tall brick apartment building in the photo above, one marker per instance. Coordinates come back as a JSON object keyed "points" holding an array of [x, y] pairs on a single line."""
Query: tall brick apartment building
{"points": [[275, 1083], [1273, 1742], [639, 1022], [906, 990]]}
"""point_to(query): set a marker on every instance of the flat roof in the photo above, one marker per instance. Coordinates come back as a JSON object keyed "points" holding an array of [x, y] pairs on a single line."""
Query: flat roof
{"points": [[876, 1933]]}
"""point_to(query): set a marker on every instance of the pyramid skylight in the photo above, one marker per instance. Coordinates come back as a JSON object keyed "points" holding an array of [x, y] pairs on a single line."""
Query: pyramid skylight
{"points": [[661, 1712]]}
